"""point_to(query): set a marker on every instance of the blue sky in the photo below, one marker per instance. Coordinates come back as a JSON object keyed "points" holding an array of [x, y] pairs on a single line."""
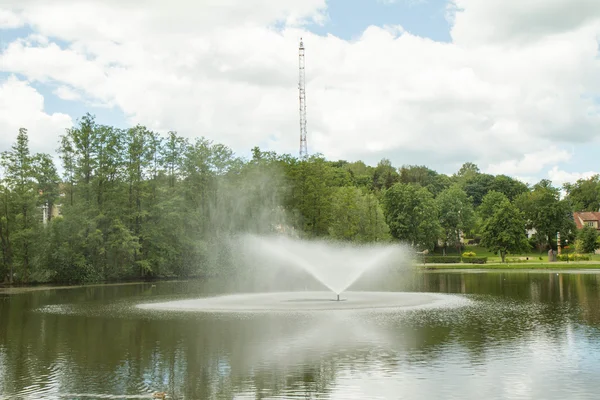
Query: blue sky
{"points": [[349, 18], [423, 106]]}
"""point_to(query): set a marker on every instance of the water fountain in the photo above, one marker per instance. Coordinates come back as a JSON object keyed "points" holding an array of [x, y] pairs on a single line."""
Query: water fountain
{"points": [[337, 266]]}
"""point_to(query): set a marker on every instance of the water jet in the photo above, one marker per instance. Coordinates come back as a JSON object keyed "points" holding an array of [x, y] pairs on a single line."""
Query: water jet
{"points": [[337, 266]]}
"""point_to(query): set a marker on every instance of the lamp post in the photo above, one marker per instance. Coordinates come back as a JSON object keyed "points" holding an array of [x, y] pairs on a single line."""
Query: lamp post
{"points": [[567, 249]]}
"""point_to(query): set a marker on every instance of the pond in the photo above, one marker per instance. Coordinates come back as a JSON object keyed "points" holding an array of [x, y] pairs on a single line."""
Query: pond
{"points": [[520, 335]]}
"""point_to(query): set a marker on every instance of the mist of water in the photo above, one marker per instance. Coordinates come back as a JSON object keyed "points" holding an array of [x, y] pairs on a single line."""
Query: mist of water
{"points": [[336, 265]]}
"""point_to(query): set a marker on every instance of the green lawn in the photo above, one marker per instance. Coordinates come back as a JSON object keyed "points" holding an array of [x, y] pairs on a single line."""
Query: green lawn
{"points": [[541, 266], [534, 256]]}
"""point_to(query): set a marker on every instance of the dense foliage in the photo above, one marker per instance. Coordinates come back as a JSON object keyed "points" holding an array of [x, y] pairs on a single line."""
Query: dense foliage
{"points": [[135, 204]]}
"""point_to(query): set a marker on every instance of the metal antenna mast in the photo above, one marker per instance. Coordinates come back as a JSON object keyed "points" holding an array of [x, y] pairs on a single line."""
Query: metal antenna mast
{"points": [[302, 90]]}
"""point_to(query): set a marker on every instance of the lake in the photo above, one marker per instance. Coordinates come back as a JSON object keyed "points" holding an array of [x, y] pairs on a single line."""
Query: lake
{"points": [[521, 335]]}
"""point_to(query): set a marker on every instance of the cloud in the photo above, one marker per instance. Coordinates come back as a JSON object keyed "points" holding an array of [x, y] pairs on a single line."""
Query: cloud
{"points": [[530, 163], [559, 177], [501, 21], [66, 93], [21, 106], [504, 94], [9, 20]]}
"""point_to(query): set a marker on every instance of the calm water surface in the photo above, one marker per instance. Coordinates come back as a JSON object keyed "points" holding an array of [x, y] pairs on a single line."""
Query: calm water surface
{"points": [[524, 336]]}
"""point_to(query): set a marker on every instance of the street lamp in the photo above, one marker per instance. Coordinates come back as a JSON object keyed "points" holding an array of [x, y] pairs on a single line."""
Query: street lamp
{"points": [[567, 248]]}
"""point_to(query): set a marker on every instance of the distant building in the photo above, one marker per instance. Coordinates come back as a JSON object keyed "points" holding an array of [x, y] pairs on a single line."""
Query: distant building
{"points": [[583, 219], [587, 218], [53, 211]]}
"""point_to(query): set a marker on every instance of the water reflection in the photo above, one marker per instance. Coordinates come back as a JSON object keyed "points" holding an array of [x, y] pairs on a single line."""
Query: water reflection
{"points": [[527, 336]]}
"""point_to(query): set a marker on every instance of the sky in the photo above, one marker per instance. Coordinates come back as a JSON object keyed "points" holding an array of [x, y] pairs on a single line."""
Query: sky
{"points": [[512, 86]]}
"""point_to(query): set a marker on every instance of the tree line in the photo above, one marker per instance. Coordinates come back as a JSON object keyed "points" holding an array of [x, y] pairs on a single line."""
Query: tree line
{"points": [[135, 204]]}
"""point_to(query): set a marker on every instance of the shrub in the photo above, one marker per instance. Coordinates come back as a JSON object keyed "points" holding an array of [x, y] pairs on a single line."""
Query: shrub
{"points": [[587, 238], [474, 260], [515, 260], [469, 254], [441, 259], [572, 257]]}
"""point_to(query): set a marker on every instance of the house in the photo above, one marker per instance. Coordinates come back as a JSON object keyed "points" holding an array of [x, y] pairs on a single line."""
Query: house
{"points": [[587, 219]]}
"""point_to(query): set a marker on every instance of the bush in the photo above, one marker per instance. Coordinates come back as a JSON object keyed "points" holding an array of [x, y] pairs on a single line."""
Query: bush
{"points": [[515, 260], [474, 260], [441, 259], [572, 257], [587, 238], [469, 254]]}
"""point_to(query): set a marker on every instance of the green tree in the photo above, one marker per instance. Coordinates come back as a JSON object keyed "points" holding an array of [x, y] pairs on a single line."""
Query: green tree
{"points": [[425, 177], [545, 212], [477, 186], [356, 216], [361, 174], [412, 215], [6, 221], [584, 194], [467, 171], [491, 201], [588, 239], [384, 175], [21, 217], [508, 186], [456, 215], [504, 232]]}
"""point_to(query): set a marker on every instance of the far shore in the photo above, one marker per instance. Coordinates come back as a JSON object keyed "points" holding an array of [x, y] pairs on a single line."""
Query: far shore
{"points": [[32, 287], [6, 289], [523, 266]]}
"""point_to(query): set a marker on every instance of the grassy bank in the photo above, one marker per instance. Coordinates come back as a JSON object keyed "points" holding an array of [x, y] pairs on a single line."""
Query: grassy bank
{"points": [[533, 257], [530, 265]]}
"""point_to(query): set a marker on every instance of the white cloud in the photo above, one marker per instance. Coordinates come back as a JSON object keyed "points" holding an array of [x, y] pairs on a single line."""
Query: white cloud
{"points": [[530, 163], [502, 21], [66, 93], [21, 106], [505, 94], [559, 177], [9, 20]]}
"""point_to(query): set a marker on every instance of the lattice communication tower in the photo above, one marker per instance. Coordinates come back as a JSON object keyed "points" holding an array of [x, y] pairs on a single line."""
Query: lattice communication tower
{"points": [[302, 93]]}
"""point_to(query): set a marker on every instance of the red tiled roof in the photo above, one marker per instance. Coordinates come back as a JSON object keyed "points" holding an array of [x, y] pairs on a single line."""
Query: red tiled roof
{"points": [[582, 217]]}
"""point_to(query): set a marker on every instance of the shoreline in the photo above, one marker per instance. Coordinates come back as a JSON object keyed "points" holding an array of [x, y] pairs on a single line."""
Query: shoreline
{"points": [[33, 287], [585, 265], [562, 266]]}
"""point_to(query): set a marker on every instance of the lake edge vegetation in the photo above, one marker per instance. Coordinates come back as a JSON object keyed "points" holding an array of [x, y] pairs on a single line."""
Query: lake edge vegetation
{"points": [[134, 204]]}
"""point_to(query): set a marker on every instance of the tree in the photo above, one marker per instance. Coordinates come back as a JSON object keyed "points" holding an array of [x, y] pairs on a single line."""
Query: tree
{"points": [[545, 212], [588, 239], [21, 214], [356, 216], [456, 214], [361, 174], [477, 186], [491, 201], [467, 171], [504, 232], [584, 194], [508, 186], [412, 214], [425, 177], [384, 175]]}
